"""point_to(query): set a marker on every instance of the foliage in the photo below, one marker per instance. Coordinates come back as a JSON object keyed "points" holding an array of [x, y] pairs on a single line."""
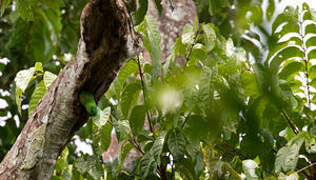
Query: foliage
{"points": [[241, 107]]}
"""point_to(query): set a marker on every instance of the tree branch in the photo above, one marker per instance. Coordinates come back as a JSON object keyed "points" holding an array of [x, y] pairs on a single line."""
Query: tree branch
{"points": [[107, 40]]}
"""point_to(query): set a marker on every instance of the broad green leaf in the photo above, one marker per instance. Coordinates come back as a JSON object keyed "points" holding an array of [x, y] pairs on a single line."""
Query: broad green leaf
{"points": [[287, 156], [186, 168], [37, 95], [129, 98], [103, 116], [147, 164], [291, 68], [62, 161], [249, 167], [283, 54], [209, 37], [49, 78], [187, 37], [312, 53], [137, 118], [23, 78], [158, 145], [127, 70], [230, 48], [105, 136], [141, 11], [312, 72], [249, 84], [152, 43], [198, 53], [310, 144], [176, 144], [122, 129]]}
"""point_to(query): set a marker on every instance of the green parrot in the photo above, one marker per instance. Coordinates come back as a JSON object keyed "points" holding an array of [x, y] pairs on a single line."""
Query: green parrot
{"points": [[88, 101]]}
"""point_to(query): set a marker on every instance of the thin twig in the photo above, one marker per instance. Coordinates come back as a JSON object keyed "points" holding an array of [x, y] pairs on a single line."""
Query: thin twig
{"points": [[292, 125], [306, 167], [144, 94], [133, 141]]}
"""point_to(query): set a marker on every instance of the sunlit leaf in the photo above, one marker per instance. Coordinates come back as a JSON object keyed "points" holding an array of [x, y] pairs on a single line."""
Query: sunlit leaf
{"points": [[287, 156], [49, 78], [37, 95]]}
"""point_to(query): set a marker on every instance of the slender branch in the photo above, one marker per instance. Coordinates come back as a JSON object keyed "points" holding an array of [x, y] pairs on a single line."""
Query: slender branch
{"points": [[134, 142], [306, 167], [145, 97], [292, 125]]}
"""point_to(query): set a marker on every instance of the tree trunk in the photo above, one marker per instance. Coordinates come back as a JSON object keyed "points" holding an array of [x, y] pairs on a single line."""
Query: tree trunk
{"points": [[107, 40]]}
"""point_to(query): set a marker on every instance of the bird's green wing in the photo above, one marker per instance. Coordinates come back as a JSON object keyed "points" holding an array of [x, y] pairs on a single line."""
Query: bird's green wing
{"points": [[87, 100]]}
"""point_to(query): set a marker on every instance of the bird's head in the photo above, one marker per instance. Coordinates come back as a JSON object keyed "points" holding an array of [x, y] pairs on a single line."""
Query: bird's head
{"points": [[94, 111]]}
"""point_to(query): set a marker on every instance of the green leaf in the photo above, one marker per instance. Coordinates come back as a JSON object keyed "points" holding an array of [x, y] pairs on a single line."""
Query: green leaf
{"points": [[103, 117], [152, 43], [126, 71], [284, 54], [4, 5], [291, 68], [25, 8], [209, 37], [287, 156], [312, 72], [137, 118], [18, 95], [122, 129], [38, 67], [249, 84], [129, 98], [249, 167], [270, 9], [187, 37], [141, 11], [62, 161], [158, 145], [23, 78], [186, 168], [37, 95], [147, 164], [49, 78], [310, 144], [105, 136], [177, 144]]}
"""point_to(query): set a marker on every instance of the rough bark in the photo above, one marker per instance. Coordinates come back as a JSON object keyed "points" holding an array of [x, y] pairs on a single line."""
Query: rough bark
{"points": [[107, 40]]}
